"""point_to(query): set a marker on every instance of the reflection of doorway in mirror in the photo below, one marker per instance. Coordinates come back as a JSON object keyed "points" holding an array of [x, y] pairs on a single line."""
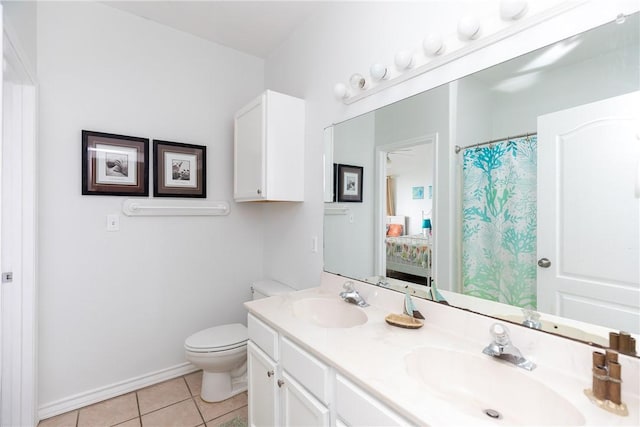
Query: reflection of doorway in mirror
{"points": [[407, 170]]}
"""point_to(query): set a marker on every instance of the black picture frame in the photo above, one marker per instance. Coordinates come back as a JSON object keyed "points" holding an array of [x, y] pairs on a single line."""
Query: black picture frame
{"points": [[180, 170], [114, 165], [348, 183]]}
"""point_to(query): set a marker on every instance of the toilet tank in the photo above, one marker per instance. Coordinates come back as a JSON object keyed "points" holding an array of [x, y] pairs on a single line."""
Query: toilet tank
{"points": [[268, 288]]}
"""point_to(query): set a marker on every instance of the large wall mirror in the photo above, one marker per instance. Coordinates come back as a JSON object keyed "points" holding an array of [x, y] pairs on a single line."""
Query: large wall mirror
{"points": [[516, 190]]}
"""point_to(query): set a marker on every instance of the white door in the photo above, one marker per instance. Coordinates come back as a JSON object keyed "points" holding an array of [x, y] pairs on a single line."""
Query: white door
{"points": [[589, 213], [262, 389], [249, 146], [17, 242]]}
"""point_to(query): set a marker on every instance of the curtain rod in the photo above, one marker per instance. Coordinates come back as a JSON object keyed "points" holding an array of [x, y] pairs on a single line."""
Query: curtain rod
{"points": [[523, 135]]}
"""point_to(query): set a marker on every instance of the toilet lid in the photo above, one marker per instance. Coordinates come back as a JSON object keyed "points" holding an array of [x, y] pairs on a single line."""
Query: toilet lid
{"points": [[218, 338]]}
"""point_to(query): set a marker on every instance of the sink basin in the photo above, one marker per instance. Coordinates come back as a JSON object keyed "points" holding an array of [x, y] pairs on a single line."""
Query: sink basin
{"points": [[329, 313], [475, 384]]}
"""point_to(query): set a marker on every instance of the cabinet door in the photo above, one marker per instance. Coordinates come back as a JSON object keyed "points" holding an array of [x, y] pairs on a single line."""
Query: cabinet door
{"points": [[299, 407], [355, 407], [263, 389], [249, 156]]}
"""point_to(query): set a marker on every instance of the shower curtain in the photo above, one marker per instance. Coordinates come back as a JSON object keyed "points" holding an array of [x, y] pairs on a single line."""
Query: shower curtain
{"points": [[499, 222]]}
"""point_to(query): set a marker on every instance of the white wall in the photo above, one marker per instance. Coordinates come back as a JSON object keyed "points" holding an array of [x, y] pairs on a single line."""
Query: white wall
{"points": [[473, 113], [20, 23], [616, 73], [348, 242], [118, 305]]}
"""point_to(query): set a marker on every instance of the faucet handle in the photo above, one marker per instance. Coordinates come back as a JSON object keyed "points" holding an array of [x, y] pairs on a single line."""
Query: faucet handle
{"points": [[531, 318], [530, 314], [348, 286], [500, 334]]}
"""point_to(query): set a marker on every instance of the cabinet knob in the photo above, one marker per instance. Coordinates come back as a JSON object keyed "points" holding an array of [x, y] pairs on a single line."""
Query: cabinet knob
{"points": [[280, 383], [259, 191], [269, 374]]}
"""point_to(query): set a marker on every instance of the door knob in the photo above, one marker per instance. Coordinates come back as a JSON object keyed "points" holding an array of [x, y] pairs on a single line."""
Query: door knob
{"points": [[544, 263], [269, 374], [280, 383]]}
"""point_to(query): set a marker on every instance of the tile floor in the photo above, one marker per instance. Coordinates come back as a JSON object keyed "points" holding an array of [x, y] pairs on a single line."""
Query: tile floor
{"points": [[175, 402]]}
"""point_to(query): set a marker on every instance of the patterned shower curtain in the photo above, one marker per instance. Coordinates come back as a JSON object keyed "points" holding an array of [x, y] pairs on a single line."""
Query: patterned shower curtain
{"points": [[499, 222]]}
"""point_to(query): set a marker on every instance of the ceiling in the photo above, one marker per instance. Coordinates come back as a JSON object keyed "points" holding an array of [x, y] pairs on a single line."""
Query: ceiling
{"points": [[253, 27]]}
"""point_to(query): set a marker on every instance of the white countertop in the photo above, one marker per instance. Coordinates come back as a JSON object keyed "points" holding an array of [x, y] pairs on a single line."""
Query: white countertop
{"points": [[373, 355]]}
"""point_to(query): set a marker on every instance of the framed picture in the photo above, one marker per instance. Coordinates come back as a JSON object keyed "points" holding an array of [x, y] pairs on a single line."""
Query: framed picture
{"points": [[417, 192], [114, 165], [180, 170], [349, 183]]}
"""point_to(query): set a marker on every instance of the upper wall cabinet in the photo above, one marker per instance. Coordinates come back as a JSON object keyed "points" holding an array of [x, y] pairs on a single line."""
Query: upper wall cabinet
{"points": [[269, 149]]}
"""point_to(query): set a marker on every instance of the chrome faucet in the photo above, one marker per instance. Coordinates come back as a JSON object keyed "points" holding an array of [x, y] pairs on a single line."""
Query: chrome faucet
{"points": [[383, 282], [502, 348], [531, 319], [352, 296]]}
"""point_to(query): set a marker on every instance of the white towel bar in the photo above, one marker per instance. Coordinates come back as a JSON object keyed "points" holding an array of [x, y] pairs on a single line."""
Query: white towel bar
{"points": [[140, 207], [335, 210]]}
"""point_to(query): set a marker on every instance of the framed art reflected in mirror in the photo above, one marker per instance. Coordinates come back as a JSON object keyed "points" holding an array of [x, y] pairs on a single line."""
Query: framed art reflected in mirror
{"points": [[349, 183]]}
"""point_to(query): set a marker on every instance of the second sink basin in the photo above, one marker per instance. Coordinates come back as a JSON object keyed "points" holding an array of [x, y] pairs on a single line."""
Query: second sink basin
{"points": [[478, 385], [329, 313]]}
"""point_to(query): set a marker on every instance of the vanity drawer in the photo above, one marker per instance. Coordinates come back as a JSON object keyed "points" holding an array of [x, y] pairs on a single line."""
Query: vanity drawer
{"points": [[263, 336], [355, 407], [309, 371]]}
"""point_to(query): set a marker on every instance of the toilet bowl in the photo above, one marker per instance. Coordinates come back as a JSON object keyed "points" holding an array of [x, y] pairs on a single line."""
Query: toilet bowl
{"points": [[221, 351]]}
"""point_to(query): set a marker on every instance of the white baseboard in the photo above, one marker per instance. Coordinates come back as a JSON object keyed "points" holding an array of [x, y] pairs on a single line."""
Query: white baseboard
{"points": [[107, 392]]}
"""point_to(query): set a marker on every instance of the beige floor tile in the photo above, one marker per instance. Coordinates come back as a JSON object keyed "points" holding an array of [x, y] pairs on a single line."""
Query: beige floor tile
{"points": [[163, 394], [212, 411], [109, 412], [183, 414], [242, 414], [68, 419], [194, 381], [131, 423]]}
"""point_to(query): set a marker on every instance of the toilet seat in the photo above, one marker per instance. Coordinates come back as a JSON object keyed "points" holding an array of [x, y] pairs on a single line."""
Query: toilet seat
{"points": [[218, 339]]}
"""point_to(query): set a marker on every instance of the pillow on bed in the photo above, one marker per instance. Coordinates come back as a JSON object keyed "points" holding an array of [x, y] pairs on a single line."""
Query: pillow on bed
{"points": [[395, 230]]}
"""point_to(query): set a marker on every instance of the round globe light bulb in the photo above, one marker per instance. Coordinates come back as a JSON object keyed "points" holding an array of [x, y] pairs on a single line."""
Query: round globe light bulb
{"points": [[433, 44], [404, 59], [469, 27], [513, 9], [378, 72], [341, 91], [358, 82]]}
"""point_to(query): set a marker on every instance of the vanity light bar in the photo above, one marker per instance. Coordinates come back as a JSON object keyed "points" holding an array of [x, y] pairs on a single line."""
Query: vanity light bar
{"points": [[469, 29]]}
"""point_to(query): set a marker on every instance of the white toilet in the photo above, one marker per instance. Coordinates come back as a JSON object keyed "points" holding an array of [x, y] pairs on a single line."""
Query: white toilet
{"points": [[221, 351]]}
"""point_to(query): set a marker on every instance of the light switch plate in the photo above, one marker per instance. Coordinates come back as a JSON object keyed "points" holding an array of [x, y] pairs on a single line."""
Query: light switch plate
{"points": [[113, 222]]}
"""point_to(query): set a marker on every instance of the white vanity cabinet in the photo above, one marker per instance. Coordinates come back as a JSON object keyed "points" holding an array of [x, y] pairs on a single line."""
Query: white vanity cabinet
{"points": [[288, 386], [269, 149], [279, 389]]}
